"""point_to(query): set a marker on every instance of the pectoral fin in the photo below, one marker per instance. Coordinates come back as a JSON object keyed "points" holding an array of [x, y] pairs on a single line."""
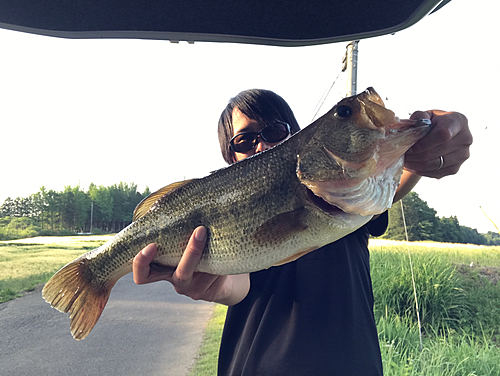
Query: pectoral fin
{"points": [[281, 227]]}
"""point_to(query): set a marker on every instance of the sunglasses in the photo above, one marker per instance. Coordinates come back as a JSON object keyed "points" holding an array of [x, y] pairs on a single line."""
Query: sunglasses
{"points": [[246, 141]]}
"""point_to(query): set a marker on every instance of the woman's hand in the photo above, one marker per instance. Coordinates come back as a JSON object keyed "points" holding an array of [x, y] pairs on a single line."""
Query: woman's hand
{"points": [[445, 147], [228, 290]]}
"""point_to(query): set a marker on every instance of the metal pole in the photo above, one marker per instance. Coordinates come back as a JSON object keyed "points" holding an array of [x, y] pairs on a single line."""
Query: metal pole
{"points": [[91, 215], [352, 67]]}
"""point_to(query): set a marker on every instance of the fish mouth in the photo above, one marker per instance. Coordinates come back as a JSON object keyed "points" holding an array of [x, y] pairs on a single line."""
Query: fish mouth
{"points": [[404, 125], [323, 204]]}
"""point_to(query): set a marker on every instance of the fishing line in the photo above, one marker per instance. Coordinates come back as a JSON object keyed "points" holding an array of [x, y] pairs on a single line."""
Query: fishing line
{"points": [[491, 220], [324, 96], [413, 279]]}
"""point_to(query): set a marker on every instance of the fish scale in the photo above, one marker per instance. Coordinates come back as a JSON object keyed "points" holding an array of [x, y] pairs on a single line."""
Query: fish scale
{"points": [[264, 211]]}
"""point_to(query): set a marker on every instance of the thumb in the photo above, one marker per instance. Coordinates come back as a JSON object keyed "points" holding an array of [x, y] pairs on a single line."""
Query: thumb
{"points": [[140, 265]]}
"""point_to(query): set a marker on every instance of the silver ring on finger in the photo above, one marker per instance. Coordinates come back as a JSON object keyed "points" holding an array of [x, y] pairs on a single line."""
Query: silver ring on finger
{"points": [[441, 163]]}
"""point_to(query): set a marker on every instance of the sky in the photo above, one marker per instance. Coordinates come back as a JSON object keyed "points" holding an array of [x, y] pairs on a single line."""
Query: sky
{"points": [[75, 112]]}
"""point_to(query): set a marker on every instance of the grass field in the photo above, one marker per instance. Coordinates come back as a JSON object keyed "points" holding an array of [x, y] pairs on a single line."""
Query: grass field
{"points": [[457, 286], [27, 262], [459, 304]]}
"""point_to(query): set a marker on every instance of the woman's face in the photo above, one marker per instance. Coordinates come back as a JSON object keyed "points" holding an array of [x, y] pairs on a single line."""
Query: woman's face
{"points": [[242, 123]]}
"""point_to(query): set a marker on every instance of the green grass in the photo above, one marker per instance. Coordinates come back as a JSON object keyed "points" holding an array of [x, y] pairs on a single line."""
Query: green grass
{"points": [[451, 293], [11, 288], [206, 362], [441, 296], [444, 354], [459, 303], [24, 265]]}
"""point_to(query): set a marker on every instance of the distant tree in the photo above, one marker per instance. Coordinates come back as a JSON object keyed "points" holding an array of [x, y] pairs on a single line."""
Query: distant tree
{"points": [[421, 220], [21, 207], [493, 238], [36, 208], [7, 207], [39, 207], [68, 208], [103, 206], [471, 236], [82, 205], [450, 230], [53, 203], [395, 229]]}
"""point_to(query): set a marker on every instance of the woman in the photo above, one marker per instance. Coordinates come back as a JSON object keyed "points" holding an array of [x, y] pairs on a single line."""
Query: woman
{"points": [[313, 316]]}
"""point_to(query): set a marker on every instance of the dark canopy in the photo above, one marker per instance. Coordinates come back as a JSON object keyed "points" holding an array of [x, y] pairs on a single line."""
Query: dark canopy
{"points": [[274, 22]]}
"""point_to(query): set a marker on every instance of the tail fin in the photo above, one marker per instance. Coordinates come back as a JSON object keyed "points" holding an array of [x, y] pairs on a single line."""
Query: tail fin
{"points": [[72, 290]]}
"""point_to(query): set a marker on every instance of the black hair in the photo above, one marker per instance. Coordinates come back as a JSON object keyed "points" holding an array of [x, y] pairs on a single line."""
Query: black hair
{"points": [[261, 105]]}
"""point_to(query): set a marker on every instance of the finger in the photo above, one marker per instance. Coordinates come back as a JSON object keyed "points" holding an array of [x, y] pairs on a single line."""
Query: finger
{"points": [[439, 173], [430, 165], [432, 162], [140, 265], [460, 144], [444, 129], [191, 257], [433, 168], [420, 115]]}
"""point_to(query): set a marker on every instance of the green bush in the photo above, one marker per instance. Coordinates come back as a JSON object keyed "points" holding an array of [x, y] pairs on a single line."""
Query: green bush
{"points": [[12, 228]]}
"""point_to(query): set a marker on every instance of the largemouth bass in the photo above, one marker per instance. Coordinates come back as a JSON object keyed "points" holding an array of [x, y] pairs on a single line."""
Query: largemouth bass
{"points": [[321, 184]]}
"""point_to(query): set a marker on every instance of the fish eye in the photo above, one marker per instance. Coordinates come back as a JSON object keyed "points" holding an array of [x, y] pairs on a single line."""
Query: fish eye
{"points": [[343, 111]]}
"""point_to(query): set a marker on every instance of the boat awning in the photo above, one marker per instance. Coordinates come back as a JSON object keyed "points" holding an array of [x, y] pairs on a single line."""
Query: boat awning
{"points": [[270, 22]]}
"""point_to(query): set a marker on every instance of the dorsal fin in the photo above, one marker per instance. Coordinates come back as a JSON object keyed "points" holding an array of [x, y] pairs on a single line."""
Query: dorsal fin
{"points": [[143, 207]]}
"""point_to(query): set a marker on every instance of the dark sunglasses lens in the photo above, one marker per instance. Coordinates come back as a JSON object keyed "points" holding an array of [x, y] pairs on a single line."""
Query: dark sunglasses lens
{"points": [[244, 142], [275, 132]]}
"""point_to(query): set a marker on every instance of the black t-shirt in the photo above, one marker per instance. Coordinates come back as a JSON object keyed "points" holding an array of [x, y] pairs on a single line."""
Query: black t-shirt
{"points": [[313, 316]]}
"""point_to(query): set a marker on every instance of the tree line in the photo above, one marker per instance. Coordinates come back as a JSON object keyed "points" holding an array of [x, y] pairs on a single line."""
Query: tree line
{"points": [[99, 209], [422, 223], [109, 209]]}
